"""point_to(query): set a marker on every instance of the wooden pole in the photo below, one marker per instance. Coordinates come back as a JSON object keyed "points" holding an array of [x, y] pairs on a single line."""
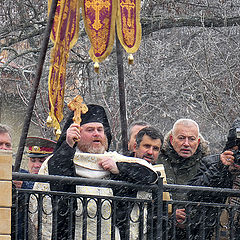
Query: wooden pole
{"points": [[122, 99], [29, 112]]}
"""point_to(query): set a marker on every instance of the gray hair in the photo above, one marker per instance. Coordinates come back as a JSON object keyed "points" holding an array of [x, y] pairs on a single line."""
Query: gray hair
{"points": [[136, 123], [5, 129], [185, 122]]}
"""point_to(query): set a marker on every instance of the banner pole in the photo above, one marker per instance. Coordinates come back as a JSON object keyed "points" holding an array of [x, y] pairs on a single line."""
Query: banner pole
{"points": [[32, 100], [122, 99]]}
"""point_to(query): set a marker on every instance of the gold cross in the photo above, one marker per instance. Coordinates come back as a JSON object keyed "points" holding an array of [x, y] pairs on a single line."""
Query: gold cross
{"points": [[128, 5], [97, 6], [78, 107]]}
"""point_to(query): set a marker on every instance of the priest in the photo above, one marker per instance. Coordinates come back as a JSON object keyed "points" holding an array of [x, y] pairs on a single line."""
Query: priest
{"points": [[82, 151]]}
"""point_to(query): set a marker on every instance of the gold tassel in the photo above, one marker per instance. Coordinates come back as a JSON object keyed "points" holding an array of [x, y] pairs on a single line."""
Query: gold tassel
{"points": [[58, 133], [130, 59], [49, 121], [96, 67]]}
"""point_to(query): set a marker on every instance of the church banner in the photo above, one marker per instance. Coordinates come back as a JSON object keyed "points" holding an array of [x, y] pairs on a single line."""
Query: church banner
{"points": [[64, 35], [128, 24], [99, 19]]}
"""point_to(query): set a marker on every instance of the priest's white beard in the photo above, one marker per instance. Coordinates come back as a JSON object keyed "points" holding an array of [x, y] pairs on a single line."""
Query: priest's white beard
{"points": [[91, 149], [98, 150]]}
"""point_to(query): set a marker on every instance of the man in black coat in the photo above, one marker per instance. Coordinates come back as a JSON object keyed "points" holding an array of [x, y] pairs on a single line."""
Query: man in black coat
{"points": [[222, 171], [146, 146], [93, 136], [182, 150]]}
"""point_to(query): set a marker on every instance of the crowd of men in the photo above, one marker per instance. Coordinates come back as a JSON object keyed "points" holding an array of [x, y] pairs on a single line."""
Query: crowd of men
{"points": [[183, 155]]}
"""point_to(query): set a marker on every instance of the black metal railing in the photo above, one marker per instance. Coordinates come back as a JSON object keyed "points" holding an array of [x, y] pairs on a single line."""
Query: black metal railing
{"points": [[61, 215], [38, 214]]}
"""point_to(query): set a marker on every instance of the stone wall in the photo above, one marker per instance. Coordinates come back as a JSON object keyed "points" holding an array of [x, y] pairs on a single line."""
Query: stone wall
{"points": [[6, 194]]}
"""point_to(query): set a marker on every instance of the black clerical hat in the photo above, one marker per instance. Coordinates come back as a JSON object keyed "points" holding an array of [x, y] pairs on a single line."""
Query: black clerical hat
{"points": [[95, 113]]}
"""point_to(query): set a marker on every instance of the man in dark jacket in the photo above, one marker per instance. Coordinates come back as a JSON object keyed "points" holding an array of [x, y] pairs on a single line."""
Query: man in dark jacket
{"points": [[222, 171], [147, 145], [182, 150]]}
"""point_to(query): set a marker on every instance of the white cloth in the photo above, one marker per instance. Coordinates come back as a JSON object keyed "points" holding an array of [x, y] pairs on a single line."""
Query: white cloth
{"points": [[87, 163]]}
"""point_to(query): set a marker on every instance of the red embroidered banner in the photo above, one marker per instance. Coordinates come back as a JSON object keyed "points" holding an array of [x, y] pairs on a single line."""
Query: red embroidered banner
{"points": [[128, 24], [99, 19], [64, 35]]}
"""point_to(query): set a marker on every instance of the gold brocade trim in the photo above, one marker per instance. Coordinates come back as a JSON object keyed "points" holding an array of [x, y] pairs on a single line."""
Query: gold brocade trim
{"points": [[99, 33], [166, 195], [38, 151], [124, 31]]}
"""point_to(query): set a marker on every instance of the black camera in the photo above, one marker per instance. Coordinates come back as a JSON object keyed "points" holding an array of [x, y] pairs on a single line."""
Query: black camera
{"points": [[236, 153]]}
